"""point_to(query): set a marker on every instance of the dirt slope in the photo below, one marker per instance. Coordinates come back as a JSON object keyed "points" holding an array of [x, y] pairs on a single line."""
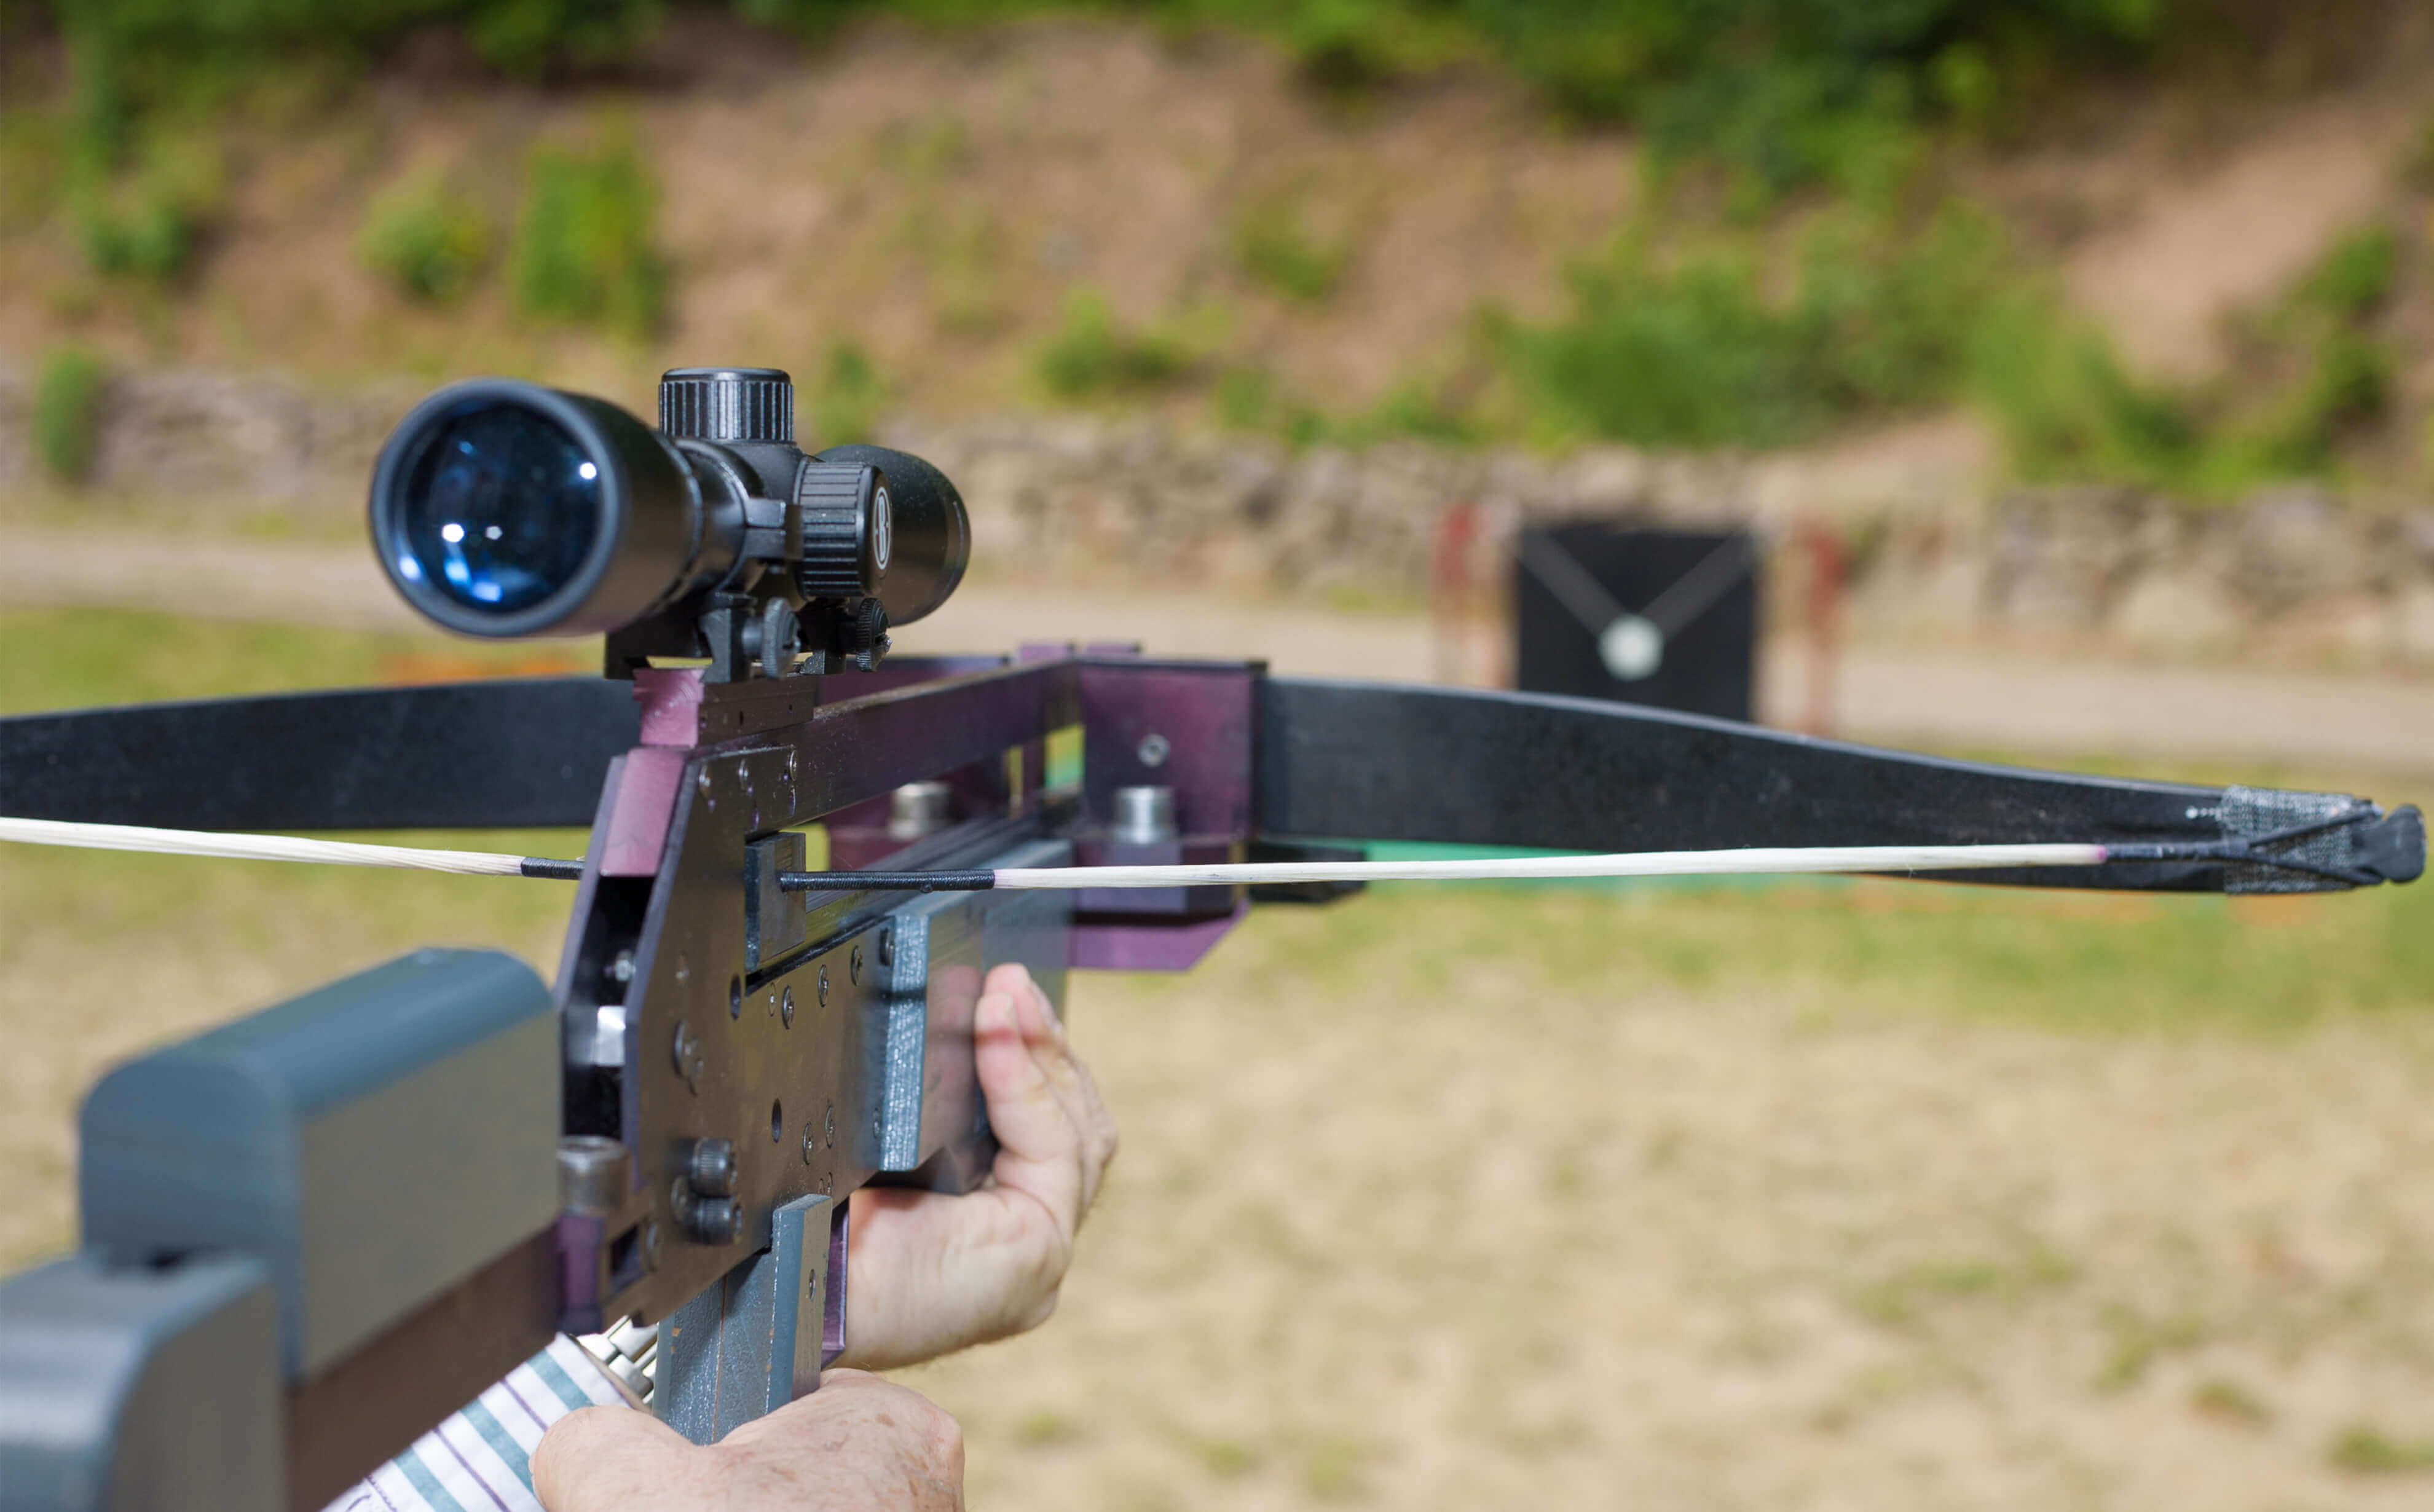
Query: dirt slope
{"points": [[935, 199]]}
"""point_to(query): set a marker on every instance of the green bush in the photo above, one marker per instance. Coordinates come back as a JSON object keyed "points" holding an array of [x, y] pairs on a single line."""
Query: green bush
{"points": [[2067, 409], [67, 401], [584, 250], [1691, 350], [1273, 248], [1092, 354], [848, 398], [425, 240], [148, 223], [2311, 371], [522, 36], [2351, 282], [1785, 90]]}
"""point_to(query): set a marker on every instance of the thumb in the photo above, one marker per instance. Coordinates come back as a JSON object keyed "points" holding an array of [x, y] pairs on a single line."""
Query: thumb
{"points": [[601, 1458]]}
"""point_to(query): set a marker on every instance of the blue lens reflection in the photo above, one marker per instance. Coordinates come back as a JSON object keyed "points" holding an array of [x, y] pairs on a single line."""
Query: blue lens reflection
{"points": [[499, 508]]}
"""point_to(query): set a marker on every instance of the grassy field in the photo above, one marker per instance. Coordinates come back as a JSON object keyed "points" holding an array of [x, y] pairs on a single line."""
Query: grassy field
{"points": [[1814, 1196]]}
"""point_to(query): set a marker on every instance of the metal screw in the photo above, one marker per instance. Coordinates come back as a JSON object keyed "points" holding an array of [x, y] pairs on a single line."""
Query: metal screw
{"points": [[591, 1173], [853, 965], [786, 1008], [687, 1050], [887, 947], [827, 1183], [702, 781], [684, 968], [824, 986], [709, 1167], [711, 1220], [621, 967], [735, 997], [829, 1119], [650, 1243], [1153, 749], [811, 1142]]}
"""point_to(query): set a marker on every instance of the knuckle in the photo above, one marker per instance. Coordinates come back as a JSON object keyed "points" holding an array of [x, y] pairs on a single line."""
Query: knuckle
{"points": [[944, 1434]]}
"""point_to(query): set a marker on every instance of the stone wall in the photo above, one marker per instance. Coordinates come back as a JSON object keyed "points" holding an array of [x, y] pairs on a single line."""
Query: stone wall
{"points": [[1933, 554]]}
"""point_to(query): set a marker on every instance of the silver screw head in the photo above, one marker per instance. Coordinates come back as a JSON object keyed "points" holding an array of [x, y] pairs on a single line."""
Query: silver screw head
{"points": [[824, 986], [786, 1008], [1153, 749], [687, 1054], [853, 965]]}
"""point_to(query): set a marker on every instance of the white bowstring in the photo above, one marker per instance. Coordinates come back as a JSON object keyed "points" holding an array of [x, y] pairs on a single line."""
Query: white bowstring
{"points": [[256, 847], [1782, 861]]}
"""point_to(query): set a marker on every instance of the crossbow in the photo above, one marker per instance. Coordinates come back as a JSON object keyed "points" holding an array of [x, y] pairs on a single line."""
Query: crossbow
{"points": [[310, 1235]]}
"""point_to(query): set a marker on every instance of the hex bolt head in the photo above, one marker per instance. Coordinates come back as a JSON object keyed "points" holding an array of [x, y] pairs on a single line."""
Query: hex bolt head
{"points": [[713, 1220], [709, 1168]]}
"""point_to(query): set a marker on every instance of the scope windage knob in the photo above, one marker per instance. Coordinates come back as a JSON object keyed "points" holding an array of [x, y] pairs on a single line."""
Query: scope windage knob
{"points": [[727, 405], [849, 529]]}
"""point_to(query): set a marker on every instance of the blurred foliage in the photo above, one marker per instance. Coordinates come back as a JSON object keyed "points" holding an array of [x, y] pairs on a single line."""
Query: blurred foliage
{"points": [[2309, 370], [148, 219], [96, 656], [1275, 248], [2364, 1451], [1787, 90], [1693, 349], [585, 248], [428, 241], [522, 36], [1094, 355], [2088, 963], [846, 400], [1875, 315], [68, 392]]}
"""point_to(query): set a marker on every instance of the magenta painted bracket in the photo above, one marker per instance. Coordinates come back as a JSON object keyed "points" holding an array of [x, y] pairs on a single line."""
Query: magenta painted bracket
{"points": [[1147, 947]]}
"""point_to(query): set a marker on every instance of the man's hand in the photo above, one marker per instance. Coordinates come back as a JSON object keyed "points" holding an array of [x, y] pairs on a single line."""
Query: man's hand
{"points": [[858, 1444], [930, 1273]]}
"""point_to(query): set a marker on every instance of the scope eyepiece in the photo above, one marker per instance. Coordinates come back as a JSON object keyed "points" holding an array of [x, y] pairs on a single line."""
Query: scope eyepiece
{"points": [[505, 508]]}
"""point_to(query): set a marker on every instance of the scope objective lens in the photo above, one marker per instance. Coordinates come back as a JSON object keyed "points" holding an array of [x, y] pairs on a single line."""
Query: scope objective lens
{"points": [[499, 507]]}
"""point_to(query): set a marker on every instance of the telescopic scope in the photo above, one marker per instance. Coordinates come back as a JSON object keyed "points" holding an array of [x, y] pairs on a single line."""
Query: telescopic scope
{"points": [[502, 509]]}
